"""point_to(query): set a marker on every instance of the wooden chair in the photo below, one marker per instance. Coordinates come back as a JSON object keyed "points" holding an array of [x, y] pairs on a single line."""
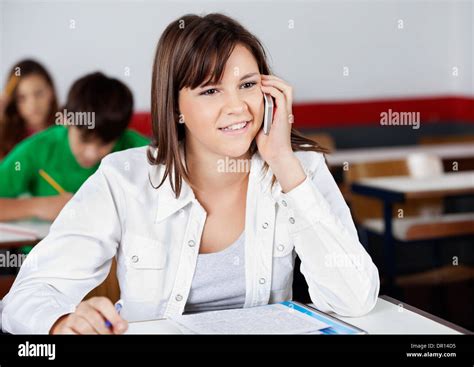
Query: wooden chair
{"points": [[420, 228], [364, 208], [462, 163], [450, 139], [442, 275], [418, 223]]}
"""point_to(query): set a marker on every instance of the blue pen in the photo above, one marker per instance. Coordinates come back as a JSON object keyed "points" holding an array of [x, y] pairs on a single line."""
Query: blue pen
{"points": [[118, 307]]}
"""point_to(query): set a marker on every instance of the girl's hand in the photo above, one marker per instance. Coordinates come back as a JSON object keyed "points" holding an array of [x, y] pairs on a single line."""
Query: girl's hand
{"points": [[275, 148], [90, 317], [277, 144]]}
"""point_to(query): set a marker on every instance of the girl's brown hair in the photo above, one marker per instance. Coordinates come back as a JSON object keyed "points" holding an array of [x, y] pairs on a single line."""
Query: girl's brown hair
{"points": [[13, 127], [193, 52]]}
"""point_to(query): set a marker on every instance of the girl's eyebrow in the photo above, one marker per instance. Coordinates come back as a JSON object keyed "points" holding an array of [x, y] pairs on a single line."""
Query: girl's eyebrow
{"points": [[248, 75]]}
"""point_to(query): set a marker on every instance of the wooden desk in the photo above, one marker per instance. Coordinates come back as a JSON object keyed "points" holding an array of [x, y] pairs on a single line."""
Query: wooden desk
{"points": [[398, 189], [444, 151]]}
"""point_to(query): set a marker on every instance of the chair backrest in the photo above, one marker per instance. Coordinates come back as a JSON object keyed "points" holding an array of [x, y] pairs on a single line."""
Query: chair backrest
{"points": [[424, 165], [450, 139], [363, 207]]}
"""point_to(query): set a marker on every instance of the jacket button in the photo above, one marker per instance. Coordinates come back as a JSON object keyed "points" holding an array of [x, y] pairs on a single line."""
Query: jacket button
{"points": [[179, 297], [283, 202], [280, 247], [292, 220], [261, 280], [191, 243], [134, 259], [265, 225]]}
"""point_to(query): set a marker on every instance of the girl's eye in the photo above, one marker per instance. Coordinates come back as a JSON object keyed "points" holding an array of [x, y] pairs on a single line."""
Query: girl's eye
{"points": [[209, 92], [212, 91], [249, 85]]}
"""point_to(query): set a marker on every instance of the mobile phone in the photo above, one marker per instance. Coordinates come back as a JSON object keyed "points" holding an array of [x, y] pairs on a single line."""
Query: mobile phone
{"points": [[268, 113]]}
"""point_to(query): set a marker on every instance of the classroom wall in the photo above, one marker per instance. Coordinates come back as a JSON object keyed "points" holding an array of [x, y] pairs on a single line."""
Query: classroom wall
{"points": [[76, 37]]}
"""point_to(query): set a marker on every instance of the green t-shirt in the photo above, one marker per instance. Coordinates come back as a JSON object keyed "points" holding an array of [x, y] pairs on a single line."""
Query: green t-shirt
{"points": [[49, 150]]}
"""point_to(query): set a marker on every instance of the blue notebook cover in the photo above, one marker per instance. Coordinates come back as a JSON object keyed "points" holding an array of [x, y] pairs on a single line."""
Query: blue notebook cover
{"points": [[336, 327]]}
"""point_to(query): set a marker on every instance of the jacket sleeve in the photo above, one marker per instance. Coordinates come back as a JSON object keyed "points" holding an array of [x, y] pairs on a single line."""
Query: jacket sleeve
{"points": [[340, 274], [74, 258]]}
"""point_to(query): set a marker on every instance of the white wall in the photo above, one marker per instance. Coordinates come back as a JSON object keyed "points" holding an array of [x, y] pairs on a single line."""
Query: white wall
{"points": [[383, 61]]}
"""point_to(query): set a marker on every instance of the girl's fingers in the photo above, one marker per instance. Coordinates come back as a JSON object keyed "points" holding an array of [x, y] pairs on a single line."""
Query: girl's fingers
{"points": [[106, 308], [277, 94], [272, 77], [284, 87], [94, 318], [67, 331], [80, 325]]}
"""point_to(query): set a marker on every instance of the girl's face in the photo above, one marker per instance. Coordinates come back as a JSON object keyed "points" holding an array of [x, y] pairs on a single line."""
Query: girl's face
{"points": [[224, 119], [34, 97]]}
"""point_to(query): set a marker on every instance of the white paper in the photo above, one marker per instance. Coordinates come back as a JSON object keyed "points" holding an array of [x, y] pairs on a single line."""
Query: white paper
{"points": [[24, 230], [162, 326], [269, 319]]}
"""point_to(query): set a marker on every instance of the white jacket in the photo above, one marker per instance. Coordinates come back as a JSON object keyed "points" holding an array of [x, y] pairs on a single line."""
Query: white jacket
{"points": [[155, 239]]}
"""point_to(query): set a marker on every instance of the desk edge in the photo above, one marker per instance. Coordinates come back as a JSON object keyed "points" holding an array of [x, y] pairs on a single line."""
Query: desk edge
{"points": [[437, 319]]}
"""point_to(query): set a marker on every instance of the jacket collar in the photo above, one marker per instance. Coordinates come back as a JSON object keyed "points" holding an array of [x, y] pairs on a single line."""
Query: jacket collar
{"points": [[168, 204]]}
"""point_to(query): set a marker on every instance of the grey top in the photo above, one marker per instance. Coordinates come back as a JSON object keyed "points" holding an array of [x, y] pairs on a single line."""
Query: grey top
{"points": [[219, 279]]}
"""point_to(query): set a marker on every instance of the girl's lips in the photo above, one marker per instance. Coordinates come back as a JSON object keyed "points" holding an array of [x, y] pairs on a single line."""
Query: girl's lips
{"points": [[239, 131]]}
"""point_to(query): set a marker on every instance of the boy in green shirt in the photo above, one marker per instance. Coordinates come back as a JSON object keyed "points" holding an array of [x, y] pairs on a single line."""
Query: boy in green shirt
{"points": [[67, 154]]}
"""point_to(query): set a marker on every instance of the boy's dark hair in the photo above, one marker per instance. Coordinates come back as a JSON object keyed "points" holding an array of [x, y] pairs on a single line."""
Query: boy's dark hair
{"points": [[109, 99]]}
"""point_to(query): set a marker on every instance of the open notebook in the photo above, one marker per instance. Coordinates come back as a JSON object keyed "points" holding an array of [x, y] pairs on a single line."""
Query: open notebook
{"points": [[280, 318]]}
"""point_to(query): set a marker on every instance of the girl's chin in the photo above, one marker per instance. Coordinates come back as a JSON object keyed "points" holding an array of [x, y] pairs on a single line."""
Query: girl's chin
{"points": [[36, 123], [236, 150]]}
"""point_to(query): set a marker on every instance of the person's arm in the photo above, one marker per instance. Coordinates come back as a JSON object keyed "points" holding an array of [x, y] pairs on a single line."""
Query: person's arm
{"points": [[17, 171], [16, 209], [340, 274], [46, 208], [74, 258]]}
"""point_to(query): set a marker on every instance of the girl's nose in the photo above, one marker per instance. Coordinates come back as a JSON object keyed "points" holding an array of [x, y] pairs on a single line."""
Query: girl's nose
{"points": [[235, 105]]}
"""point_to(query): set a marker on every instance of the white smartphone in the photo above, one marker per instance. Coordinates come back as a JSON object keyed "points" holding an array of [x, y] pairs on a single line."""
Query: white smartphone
{"points": [[268, 113]]}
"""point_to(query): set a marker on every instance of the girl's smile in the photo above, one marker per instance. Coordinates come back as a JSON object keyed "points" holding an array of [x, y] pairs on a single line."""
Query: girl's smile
{"points": [[237, 128]]}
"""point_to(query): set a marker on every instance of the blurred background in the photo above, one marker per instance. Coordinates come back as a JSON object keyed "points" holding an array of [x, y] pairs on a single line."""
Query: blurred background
{"points": [[354, 65]]}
